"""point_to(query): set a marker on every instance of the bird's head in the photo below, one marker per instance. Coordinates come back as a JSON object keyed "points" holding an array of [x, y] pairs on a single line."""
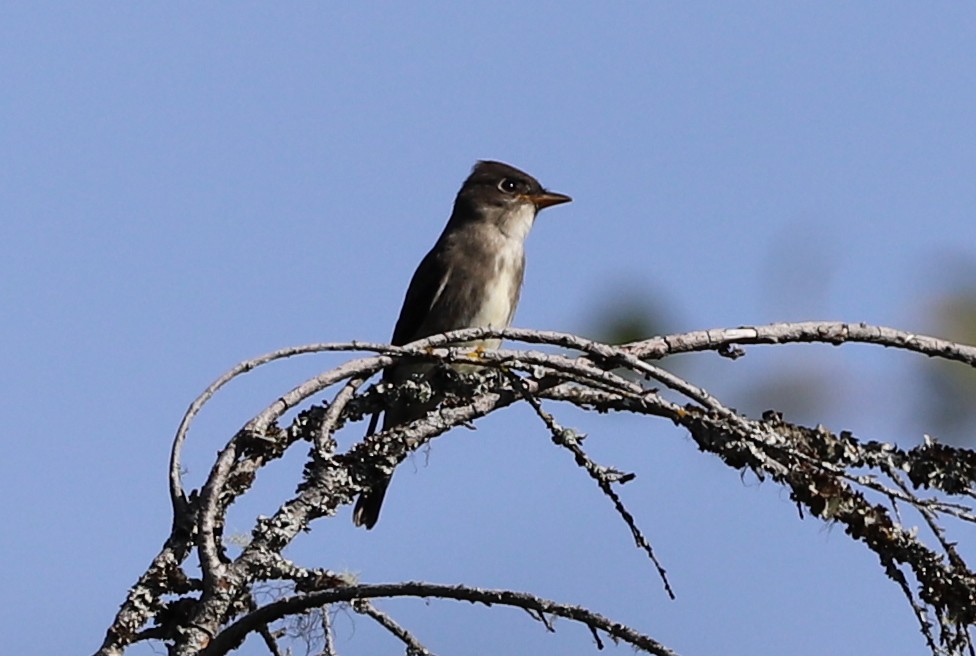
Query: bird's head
{"points": [[504, 195]]}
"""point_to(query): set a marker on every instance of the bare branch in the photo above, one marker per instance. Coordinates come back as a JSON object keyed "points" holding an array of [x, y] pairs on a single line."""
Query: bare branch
{"points": [[835, 477], [827, 332], [414, 646], [603, 476], [234, 634]]}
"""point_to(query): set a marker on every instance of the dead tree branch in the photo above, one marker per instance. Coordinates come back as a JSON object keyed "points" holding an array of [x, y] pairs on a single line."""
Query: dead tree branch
{"points": [[861, 485]]}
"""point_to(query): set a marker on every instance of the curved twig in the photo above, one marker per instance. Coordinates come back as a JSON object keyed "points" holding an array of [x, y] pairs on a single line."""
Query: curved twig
{"points": [[233, 635]]}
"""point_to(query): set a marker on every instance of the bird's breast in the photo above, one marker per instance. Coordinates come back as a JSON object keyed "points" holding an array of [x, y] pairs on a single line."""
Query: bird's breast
{"points": [[502, 286]]}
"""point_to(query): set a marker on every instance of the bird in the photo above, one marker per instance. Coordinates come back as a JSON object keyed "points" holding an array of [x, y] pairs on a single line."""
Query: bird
{"points": [[471, 278]]}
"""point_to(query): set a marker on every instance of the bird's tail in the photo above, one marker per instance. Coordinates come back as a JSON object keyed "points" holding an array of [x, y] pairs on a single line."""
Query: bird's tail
{"points": [[367, 509], [368, 505]]}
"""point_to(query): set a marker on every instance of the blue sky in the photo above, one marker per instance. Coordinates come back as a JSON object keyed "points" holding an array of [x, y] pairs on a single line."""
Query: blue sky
{"points": [[185, 186]]}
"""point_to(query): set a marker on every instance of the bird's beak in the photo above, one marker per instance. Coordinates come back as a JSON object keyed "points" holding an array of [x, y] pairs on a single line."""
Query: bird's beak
{"points": [[548, 199]]}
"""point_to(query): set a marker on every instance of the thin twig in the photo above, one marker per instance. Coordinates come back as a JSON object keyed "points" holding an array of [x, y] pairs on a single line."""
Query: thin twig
{"points": [[414, 646], [603, 476]]}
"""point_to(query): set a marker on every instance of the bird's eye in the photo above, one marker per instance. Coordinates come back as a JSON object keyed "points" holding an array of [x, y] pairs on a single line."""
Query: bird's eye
{"points": [[508, 185]]}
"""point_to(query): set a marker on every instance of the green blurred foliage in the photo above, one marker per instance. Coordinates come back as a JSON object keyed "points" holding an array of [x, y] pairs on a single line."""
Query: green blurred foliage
{"points": [[809, 383], [624, 313], [950, 387]]}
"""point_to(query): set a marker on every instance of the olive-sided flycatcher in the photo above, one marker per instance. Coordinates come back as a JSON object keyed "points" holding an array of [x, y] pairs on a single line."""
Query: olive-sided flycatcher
{"points": [[471, 278]]}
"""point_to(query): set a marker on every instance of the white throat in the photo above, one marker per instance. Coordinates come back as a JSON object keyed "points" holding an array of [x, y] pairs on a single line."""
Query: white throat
{"points": [[517, 224]]}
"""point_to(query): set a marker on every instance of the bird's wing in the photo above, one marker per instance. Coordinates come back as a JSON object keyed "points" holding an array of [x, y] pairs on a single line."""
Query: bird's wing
{"points": [[426, 287]]}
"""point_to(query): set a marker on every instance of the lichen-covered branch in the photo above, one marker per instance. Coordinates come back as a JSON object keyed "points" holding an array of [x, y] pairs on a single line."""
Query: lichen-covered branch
{"points": [[862, 485]]}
